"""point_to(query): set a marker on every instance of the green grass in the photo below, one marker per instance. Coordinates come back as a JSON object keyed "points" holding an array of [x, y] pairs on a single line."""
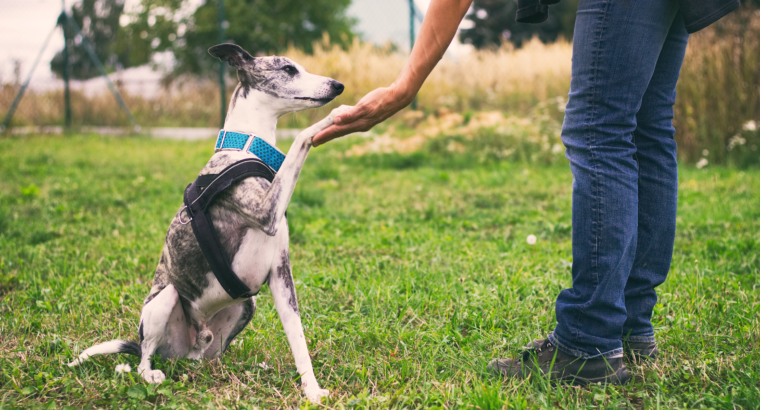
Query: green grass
{"points": [[409, 281]]}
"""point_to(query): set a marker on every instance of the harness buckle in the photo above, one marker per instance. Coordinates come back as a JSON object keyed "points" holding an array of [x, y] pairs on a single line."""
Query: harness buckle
{"points": [[179, 215]]}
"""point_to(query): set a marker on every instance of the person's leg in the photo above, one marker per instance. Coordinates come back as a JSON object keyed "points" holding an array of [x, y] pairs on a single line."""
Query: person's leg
{"points": [[616, 45], [658, 188]]}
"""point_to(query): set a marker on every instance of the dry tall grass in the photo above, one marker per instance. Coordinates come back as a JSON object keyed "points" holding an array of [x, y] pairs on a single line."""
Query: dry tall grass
{"points": [[193, 104], [719, 90], [508, 79]]}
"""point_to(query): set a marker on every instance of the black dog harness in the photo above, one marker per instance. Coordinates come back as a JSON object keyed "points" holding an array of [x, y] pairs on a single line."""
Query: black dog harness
{"points": [[198, 197]]}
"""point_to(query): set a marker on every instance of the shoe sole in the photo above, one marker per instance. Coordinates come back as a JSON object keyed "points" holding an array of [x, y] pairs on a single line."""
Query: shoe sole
{"points": [[640, 357], [619, 378], [645, 355]]}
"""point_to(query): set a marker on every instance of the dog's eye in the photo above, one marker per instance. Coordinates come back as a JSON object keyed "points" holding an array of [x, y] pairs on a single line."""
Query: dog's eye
{"points": [[290, 69]]}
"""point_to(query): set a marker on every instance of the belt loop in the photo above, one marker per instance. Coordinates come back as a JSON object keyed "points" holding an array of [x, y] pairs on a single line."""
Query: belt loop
{"points": [[224, 135], [248, 142]]}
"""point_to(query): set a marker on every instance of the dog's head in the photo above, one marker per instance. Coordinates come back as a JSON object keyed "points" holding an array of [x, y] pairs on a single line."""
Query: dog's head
{"points": [[290, 85]]}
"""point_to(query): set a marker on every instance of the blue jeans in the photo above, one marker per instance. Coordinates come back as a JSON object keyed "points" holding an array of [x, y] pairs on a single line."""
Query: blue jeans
{"points": [[618, 133]]}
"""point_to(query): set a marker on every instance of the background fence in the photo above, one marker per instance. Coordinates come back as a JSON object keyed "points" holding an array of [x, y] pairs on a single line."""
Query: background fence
{"points": [[718, 93]]}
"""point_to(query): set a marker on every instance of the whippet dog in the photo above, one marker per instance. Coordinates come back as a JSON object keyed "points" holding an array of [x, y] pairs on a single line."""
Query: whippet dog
{"points": [[188, 313]]}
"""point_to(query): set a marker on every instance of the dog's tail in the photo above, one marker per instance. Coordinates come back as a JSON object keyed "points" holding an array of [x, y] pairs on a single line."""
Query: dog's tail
{"points": [[114, 346]]}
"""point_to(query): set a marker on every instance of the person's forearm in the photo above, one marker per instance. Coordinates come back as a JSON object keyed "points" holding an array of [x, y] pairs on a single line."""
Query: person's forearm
{"points": [[440, 25], [437, 31]]}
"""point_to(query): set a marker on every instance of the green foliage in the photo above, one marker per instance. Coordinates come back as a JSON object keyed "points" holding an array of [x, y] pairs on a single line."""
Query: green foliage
{"points": [[5, 221], [30, 191], [259, 26], [408, 281], [460, 144], [115, 47], [487, 397], [494, 22], [499, 25]]}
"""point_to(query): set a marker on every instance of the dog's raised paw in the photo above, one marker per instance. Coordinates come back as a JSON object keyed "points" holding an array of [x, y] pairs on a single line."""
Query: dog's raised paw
{"points": [[337, 111], [154, 376], [315, 396]]}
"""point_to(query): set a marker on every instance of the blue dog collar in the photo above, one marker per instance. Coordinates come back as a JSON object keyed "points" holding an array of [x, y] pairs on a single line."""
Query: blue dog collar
{"points": [[250, 143]]}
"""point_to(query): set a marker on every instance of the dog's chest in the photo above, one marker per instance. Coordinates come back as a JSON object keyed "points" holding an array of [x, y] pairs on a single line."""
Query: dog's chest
{"points": [[253, 260], [254, 250], [252, 263]]}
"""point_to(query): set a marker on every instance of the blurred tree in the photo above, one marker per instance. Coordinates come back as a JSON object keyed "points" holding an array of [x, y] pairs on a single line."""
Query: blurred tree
{"points": [[494, 22], [99, 22], [259, 26]]}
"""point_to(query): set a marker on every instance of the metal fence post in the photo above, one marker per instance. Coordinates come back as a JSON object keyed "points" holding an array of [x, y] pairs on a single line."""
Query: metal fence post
{"points": [[411, 40], [222, 68], [17, 99], [66, 70]]}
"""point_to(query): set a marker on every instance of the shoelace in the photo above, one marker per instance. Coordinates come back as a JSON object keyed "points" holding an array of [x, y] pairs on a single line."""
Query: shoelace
{"points": [[538, 349]]}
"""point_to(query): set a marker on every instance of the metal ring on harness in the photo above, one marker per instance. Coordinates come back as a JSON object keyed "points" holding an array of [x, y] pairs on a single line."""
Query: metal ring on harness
{"points": [[179, 215]]}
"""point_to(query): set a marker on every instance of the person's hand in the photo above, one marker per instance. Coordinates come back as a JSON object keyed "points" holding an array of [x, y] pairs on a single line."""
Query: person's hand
{"points": [[372, 109]]}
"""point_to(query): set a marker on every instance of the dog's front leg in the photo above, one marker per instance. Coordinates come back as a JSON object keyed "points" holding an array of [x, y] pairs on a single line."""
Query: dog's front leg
{"points": [[279, 193], [284, 295], [267, 212]]}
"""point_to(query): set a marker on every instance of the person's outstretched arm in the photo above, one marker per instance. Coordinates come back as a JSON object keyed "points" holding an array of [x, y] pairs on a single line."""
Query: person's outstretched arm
{"points": [[438, 28]]}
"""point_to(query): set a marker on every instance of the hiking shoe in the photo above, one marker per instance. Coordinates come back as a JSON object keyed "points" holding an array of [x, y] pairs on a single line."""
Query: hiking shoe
{"points": [[638, 352], [541, 357]]}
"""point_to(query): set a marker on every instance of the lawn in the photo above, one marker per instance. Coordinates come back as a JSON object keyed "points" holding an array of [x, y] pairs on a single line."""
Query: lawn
{"points": [[409, 280]]}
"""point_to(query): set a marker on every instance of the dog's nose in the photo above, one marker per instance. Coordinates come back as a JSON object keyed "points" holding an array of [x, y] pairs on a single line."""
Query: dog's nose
{"points": [[337, 87]]}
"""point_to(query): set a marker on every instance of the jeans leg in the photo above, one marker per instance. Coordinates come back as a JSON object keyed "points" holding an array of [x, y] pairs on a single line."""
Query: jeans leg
{"points": [[658, 187], [616, 46]]}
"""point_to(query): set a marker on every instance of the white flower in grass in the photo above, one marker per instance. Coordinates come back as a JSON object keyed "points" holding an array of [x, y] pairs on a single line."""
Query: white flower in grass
{"points": [[702, 163], [123, 368], [263, 366], [735, 141], [750, 125], [531, 239]]}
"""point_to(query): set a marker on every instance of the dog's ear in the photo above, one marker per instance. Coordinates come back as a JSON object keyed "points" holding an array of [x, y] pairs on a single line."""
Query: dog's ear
{"points": [[231, 53]]}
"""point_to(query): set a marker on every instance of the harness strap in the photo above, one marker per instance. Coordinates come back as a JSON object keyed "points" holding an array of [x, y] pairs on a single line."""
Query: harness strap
{"points": [[198, 197]]}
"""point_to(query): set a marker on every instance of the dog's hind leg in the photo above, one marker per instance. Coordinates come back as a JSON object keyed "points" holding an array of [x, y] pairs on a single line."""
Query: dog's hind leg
{"points": [[163, 328], [227, 324]]}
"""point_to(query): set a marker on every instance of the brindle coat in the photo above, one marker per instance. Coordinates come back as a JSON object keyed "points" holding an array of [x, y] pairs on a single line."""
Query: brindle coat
{"points": [[187, 313]]}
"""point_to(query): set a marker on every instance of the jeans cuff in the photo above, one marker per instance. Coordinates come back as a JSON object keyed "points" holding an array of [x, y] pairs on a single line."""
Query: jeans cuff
{"points": [[564, 347], [646, 339]]}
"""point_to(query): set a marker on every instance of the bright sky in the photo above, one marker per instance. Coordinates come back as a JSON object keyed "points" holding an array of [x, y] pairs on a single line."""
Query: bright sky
{"points": [[24, 25]]}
